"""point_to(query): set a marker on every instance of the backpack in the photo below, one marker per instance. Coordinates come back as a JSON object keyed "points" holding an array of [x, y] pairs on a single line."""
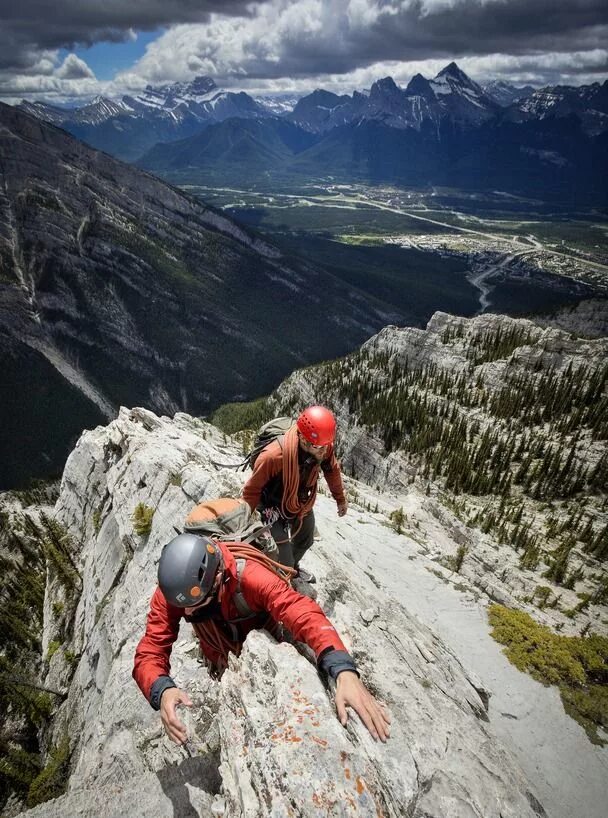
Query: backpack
{"points": [[230, 520], [274, 429]]}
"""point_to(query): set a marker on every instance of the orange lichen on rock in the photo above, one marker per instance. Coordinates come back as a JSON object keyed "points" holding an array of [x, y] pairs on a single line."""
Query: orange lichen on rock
{"points": [[288, 734], [360, 785], [320, 741]]}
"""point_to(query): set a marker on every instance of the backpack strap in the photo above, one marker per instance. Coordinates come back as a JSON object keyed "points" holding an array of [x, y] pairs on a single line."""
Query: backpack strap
{"points": [[238, 597]]}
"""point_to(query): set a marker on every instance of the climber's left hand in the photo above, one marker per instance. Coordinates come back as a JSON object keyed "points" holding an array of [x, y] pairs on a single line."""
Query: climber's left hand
{"points": [[351, 692]]}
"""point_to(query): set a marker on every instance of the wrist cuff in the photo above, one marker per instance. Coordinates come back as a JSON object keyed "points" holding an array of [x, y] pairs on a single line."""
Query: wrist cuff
{"points": [[334, 662], [158, 688]]}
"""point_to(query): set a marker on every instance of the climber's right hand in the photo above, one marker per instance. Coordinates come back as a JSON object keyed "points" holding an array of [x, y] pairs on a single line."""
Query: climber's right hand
{"points": [[175, 729]]}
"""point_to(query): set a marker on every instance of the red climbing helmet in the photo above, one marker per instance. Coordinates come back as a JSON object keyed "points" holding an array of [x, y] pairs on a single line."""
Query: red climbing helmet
{"points": [[318, 425]]}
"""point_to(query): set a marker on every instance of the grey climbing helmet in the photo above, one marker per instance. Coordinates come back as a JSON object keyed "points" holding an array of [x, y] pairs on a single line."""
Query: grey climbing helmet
{"points": [[187, 569]]}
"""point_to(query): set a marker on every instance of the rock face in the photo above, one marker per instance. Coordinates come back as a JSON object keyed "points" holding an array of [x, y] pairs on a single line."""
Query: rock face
{"points": [[118, 289], [264, 739], [589, 319]]}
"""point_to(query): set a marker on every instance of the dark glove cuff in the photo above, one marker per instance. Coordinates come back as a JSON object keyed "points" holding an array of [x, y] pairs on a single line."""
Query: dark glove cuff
{"points": [[334, 662], [158, 688]]}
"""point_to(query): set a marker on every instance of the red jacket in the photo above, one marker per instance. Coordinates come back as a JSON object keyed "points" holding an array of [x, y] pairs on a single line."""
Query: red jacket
{"points": [[269, 465], [264, 592]]}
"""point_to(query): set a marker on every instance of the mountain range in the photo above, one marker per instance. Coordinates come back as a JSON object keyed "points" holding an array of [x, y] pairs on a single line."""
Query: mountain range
{"points": [[446, 130], [129, 126]]}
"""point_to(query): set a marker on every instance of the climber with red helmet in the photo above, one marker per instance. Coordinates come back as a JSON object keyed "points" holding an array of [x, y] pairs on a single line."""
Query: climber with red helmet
{"points": [[283, 485], [225, 592]]}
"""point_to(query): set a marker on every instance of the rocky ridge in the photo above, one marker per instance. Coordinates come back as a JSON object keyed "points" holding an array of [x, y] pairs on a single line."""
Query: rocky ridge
{"points": [[264, 738]]}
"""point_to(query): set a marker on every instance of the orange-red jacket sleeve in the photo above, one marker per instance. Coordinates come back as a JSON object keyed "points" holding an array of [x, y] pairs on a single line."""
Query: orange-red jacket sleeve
{"points": [[152, 655], [264, 591], [333, 477], [268, 464]]}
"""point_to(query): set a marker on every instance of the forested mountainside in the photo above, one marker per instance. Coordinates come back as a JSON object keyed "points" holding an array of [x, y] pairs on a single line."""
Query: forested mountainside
{"points": [[554, 156], [118, 289], [507, 420]]}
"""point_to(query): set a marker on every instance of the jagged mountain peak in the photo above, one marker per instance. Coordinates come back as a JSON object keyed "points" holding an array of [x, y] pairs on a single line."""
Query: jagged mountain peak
{"points": [[454, 71], [456, 79], [504, 93], [383, 87], [419, 86], [322, 97], [203, 84], [199, 86]]}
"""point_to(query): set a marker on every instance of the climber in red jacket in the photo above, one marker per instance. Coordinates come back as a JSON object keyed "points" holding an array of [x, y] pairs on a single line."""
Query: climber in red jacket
{"points": [[225, 598], [283, 485]]}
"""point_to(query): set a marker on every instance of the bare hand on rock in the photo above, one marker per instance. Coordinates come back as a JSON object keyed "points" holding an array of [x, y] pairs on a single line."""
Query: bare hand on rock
{"points": [[351, 692], [175, 729]]}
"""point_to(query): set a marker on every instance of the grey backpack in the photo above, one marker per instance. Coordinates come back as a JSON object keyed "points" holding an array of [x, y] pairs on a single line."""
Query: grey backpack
{"points": [[230, 520], [274, 429]]}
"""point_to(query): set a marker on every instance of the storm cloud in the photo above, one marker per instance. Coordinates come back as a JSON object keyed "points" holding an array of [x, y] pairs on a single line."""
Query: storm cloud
{"points": [[315, 38], [33, 26], [280, 44]]}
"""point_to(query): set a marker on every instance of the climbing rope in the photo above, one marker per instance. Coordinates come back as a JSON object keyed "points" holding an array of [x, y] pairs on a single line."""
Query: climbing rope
{"points": [[291, 505]]}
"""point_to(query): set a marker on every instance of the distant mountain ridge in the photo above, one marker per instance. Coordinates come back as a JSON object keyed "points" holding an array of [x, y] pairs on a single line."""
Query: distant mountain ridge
{"points": [[132, 125], [551, 159], [451, 94], [550, 144], [129, 126]]}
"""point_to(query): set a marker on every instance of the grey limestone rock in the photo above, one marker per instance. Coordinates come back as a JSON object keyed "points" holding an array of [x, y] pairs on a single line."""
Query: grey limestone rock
{"points": [[265, 739]]}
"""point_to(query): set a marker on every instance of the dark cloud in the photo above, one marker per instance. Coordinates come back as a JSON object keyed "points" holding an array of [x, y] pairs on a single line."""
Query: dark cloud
{"points": [[299, 39], [28, 27], [420, 30]]}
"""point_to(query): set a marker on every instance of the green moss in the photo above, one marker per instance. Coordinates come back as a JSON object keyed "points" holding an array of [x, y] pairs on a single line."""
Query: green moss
{"points": [[175, 480], [589, 708], [53, 648], [58, 608], [142, 519], [52, 781], [578, 665]]}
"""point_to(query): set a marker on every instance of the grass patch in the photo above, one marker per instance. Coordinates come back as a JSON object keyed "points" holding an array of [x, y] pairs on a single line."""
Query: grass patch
{"points": [[142, 519], [52, 649], [578, 665]]}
